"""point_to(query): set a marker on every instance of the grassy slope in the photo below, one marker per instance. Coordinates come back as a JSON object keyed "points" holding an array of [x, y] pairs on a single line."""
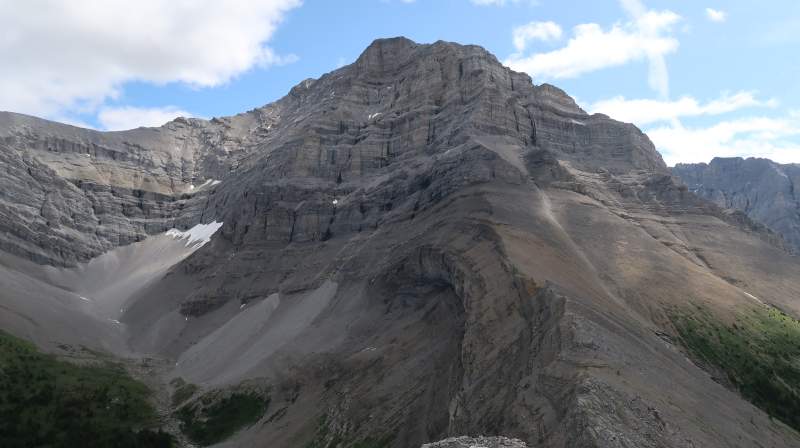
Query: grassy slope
{"points": [[48, 402], [760, 353]]}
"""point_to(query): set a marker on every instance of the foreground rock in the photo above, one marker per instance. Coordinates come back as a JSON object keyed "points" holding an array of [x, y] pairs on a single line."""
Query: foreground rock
{"points": [[478, 442]]}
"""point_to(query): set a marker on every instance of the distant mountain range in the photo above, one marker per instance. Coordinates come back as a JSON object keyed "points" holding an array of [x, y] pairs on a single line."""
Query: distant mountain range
{"points": [[765, 190]]}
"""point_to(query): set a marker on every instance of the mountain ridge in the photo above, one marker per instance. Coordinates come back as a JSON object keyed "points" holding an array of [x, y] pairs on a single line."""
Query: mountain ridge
{"points": [[763, 189], [418, 245]]}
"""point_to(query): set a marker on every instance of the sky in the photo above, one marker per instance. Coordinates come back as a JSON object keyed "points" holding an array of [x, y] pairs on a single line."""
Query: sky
{"points": [[702, 78]]}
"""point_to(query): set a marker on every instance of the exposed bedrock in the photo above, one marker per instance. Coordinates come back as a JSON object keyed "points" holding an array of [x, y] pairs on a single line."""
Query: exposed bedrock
{"points": [[766, 191], [397, 107], [418, 245]]}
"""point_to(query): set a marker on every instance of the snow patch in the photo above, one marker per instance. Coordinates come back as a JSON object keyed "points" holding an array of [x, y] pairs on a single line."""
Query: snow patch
{"points": [[84, 299], [580, 123], [209, 182], [754, 297], [371, 116], [198, 235]]}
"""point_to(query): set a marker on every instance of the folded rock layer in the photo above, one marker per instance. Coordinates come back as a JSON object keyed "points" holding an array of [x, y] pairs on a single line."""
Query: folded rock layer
{"points": [[418, 245]]}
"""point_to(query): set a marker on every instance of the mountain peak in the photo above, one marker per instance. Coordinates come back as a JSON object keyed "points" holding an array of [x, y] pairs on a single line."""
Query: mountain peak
{"points": [[420, 244], [387, 51]]}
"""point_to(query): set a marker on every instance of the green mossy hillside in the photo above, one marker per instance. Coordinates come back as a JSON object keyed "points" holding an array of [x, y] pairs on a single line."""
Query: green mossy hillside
{"points": [[216, 416], [183, 391], [759, 352], [45, 401]]}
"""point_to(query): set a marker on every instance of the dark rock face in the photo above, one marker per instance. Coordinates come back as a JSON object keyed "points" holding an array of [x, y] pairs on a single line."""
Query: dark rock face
{"points": [[418, 245], [761, 188], [82, 192]]}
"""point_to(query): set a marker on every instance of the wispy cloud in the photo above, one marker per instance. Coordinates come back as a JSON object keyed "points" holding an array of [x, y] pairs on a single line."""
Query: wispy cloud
{"points": [[647, 35], [648, 111], [544, 31], [716, 15], [122, 118], [73, 56], [769, 137], [774, 137]]}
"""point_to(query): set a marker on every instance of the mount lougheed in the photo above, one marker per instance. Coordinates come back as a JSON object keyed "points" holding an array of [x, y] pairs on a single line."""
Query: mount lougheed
{"points": [[421, 244]]}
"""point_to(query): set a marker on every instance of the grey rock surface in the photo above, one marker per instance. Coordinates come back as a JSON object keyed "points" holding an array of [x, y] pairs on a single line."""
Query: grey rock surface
{"points": [[399, 101], [766, 191], [417, 245]]}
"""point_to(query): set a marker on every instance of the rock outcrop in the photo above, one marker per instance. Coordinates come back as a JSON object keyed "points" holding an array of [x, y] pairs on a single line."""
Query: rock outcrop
{"points": [[417, 245], [766, 191], [81, 192]]}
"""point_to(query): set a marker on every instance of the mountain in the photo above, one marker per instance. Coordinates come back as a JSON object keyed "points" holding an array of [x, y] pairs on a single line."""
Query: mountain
{"points": [[763, 189], [419, 245]]}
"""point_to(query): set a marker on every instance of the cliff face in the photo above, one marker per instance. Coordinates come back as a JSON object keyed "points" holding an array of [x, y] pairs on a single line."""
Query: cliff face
{"points": [[418, 245], [761, 188], [398, 101], [70, 194]]}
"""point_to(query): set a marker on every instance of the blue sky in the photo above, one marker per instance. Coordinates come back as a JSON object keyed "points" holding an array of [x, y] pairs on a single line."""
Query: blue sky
{"points": [[703, 78]]}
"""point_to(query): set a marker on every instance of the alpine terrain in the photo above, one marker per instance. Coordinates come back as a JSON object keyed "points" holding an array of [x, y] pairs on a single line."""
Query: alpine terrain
{"points": [[763, 189], [421, 247]]}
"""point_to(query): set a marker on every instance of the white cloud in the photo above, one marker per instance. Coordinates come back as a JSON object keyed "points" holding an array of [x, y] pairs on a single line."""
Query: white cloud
{"points": [[545, 31], [122, 118], [648, 111], [72, 56], [645, 37], [774, 138], [716, 15]]}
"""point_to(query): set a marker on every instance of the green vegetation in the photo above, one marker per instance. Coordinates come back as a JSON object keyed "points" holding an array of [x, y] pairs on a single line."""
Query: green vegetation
{"points": [[45, 401], [760, 353], [210, 419], [183, 391]]}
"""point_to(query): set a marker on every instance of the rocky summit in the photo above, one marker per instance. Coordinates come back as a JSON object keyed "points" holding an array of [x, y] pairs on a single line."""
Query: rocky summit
{"points": [[420, 245]]}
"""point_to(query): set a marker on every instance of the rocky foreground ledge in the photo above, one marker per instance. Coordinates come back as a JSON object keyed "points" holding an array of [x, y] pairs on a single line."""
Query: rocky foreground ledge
{"points": [[477, 442]]}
